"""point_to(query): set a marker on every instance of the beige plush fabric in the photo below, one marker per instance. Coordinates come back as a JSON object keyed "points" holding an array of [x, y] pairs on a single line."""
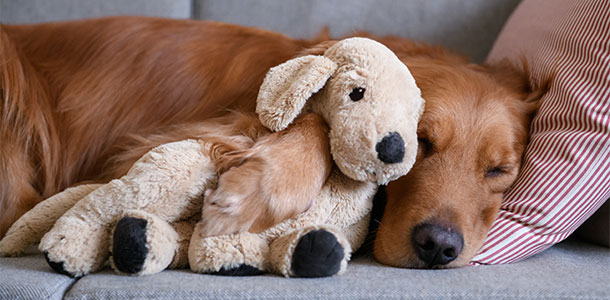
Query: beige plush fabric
{"points": [[288, 86], [392, 103], [161, 239], [32, 226], [166, 186], [342, 208], [282, 248]]}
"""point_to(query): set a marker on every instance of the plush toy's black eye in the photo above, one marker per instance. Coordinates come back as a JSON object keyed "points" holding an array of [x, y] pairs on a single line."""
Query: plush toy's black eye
{"points": [[357, 94]]}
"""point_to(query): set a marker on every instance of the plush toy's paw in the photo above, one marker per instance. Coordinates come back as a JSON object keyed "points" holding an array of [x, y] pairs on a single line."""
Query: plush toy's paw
{"points": [[143, 244], [241, 270], [129, 249], [240, 254], [7, 248], [58, 266], [75, 248], [317, 254]]}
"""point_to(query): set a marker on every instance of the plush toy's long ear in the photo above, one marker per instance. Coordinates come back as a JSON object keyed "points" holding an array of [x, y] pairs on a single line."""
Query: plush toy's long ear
{"points": [[287, 87]]}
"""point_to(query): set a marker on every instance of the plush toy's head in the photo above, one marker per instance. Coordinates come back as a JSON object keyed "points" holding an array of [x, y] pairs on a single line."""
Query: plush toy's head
{"points": [[366, 95]]}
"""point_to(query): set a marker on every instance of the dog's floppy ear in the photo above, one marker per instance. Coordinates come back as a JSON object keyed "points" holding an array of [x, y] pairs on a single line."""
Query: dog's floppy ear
{"points": [[287, 87]]}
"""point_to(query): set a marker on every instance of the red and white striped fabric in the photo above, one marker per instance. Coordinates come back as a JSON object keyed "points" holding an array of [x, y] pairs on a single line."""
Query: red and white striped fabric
{"points": [[565, 176]]}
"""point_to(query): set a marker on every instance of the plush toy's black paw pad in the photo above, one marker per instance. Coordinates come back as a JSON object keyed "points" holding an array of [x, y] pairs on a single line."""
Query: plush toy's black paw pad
{"points": [[318, 254], [129, 245], [241, 270], [57, 266]]}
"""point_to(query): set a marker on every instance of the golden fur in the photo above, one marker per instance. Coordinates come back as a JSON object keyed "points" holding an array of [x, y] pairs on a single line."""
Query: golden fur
{"points": [[257, 180], [82, 100], [472, 136], [74, 92]]}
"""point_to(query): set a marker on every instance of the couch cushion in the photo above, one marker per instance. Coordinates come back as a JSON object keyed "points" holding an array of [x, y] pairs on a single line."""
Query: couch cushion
{"points": [[569, 270], [466, 26], [29, 277], [566, 165], [36, 11]]}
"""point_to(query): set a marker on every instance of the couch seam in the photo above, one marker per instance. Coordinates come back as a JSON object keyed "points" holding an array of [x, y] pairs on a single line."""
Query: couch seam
{"points": [[194, 6], [68, 288]]}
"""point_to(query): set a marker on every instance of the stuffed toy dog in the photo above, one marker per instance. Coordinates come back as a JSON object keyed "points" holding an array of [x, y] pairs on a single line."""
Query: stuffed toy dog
{"points": [[150, 218]]}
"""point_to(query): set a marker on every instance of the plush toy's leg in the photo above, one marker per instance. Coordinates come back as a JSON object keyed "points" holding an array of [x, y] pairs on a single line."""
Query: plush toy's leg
{"points": [[185, 231], [144, 244], [241, 254], [357, 232], [168, 181], [75, 247], [316, 251], [29, 229]]}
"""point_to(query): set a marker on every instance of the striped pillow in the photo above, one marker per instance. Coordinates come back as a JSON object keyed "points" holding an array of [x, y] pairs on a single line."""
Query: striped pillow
{"points": [[565, 176]]}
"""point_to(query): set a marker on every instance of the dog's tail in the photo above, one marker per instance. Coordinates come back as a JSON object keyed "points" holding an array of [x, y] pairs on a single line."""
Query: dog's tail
{"points": [[29, 145]]}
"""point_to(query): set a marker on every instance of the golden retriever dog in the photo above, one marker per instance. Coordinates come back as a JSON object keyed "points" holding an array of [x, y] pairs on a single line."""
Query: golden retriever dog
{"points": [[472, 135], [73, 93], [82, 100]]}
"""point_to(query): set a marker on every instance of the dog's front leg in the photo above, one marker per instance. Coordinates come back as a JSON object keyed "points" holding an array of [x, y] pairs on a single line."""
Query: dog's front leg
{"points": [[275, 179]]}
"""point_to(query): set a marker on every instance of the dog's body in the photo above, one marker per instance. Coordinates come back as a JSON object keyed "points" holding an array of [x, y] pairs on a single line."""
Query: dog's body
{"points": [[86, 85], [75, 93]]}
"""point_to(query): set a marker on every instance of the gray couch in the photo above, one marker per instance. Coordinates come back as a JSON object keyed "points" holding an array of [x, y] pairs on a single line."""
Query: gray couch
{"points": [[571, 269]]}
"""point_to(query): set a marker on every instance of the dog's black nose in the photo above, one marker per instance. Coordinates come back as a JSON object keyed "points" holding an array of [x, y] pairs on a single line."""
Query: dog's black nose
{"points": [[391, 149], [436, 245]]}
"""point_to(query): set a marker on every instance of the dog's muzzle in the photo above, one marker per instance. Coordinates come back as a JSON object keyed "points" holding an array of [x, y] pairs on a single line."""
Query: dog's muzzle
{"points": [[436, 245]]}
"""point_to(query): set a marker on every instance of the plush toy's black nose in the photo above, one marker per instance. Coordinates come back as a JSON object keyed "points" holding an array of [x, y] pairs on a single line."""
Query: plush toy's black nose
{"points": [[391, 149], [436, 245]]}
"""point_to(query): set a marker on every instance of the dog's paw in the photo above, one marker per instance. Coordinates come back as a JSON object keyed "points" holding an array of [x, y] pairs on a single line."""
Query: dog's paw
{"points": [[224, 208], [317, 254], [241, 270], [129, 249], [223, 201]]}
